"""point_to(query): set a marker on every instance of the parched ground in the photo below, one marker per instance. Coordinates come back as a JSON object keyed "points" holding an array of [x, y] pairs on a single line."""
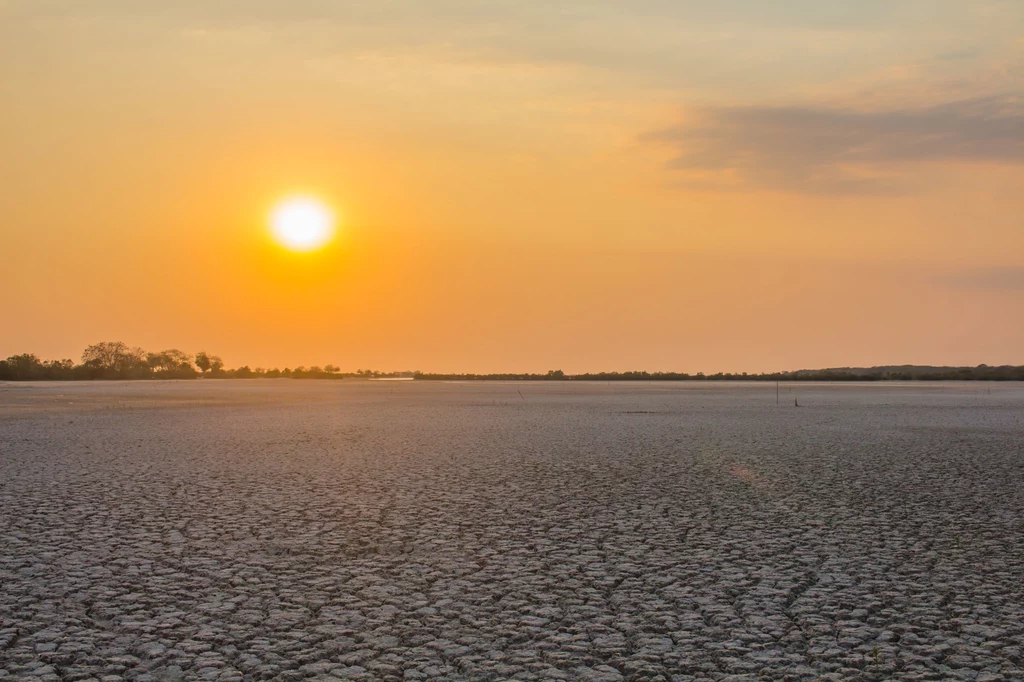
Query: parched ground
{"points": [[289, 530]]}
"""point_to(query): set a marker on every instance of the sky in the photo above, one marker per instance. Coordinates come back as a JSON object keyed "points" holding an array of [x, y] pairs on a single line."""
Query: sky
{"points": [[520, 185]]}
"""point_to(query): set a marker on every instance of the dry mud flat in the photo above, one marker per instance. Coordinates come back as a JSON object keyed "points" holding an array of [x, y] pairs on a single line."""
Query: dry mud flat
{"points": [[364, 530]]}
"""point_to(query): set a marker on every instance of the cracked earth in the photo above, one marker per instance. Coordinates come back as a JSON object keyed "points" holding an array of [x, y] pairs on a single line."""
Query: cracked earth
{"points": [[293, 530]]}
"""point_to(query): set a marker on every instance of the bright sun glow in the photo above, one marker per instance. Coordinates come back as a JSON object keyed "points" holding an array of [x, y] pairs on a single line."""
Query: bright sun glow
{"points": [[302, 224]]}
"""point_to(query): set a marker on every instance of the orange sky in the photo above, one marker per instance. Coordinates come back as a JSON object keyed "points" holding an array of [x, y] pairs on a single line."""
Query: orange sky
{"points": [[522, 186]]}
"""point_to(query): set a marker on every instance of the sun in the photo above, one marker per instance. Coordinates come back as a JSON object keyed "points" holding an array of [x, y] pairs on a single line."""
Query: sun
{"points": [[302, 223]]}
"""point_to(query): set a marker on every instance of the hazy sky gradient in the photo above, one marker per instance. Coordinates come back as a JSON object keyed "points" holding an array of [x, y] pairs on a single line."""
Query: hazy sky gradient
{"points": [[661, 184]]}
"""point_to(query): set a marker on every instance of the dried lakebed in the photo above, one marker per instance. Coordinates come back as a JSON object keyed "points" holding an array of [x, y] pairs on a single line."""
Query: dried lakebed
{"points": [[288, 530]]}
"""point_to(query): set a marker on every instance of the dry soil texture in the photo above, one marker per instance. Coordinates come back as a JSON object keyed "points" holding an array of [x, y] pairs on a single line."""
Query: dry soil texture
{"points": [[367, 530]]}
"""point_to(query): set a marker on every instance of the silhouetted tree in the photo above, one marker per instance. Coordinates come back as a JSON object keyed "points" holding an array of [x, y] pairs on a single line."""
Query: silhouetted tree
{"points": [[171, 361], [60, 369], [28, 367], [203, 361], [115, 359], [25, 367]]}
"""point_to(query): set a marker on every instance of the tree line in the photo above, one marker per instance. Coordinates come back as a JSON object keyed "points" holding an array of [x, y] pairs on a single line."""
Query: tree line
{"points": [[118, 360], [902, 373]]}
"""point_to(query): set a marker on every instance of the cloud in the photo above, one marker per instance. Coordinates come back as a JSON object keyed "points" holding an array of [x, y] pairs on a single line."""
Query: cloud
{"points": [[822, 150], [997, 279], [668, 42]]}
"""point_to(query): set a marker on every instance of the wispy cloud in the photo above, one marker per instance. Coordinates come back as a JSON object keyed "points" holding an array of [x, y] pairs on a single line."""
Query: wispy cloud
{"points": [[824, 150], [998, 279]]}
